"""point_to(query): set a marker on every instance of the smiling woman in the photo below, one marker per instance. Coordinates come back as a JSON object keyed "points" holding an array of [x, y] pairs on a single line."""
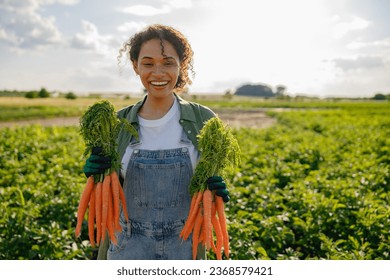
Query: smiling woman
{"points": [[182, 51], [157, 167], [158, 68]]}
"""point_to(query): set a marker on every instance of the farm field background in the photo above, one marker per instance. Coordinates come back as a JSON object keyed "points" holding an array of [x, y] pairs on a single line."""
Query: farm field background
{"points": [[314, 185]]}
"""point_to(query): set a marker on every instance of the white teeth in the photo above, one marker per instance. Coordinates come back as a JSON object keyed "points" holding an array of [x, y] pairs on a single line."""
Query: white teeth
{"points": [[159, 83]]}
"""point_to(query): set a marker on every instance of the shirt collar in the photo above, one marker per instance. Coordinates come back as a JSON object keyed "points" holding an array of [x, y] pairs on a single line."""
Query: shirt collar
{"points": [[133, 117], [186, 111]]}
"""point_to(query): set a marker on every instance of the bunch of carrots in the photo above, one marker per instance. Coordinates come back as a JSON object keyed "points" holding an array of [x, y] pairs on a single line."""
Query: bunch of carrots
{"points": [[207, 213], [103, 193], [220, 153], [102, 199]]}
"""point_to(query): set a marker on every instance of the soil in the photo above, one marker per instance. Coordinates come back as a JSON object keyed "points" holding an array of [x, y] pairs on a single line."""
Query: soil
{"points": [[234, 118], [246, 118]]}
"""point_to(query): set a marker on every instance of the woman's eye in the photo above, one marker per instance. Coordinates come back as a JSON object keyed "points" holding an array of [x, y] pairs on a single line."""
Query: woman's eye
{"points": [[170, 62]]}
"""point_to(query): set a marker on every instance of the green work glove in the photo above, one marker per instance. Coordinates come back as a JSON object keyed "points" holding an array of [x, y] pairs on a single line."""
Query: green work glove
{"points": [[96, 163], [218, 184]]}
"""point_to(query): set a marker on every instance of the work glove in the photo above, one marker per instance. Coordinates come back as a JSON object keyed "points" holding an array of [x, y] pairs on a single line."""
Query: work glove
{"points": [[96, 163], [218, 184]]}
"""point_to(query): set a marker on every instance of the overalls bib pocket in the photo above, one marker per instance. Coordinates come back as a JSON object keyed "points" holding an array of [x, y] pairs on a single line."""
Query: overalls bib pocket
{"points": [[150, 188], [158, 200]]}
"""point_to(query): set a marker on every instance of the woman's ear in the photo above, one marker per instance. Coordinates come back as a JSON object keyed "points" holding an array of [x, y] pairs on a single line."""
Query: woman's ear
{"points": [[135, 67]]}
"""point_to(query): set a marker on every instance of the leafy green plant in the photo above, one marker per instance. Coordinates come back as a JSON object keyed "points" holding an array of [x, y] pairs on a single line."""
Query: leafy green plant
{"points": [[40, 183], [316, 186]]}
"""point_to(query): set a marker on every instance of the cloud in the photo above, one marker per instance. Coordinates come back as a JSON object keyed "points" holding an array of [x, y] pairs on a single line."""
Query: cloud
{"points": [[22, 25], [166, 6], [359, 63], [145, 10], [179, 4], [358, 83], [90, 39], [342, 26], [377, 44], [63, 2], [130, 27]]}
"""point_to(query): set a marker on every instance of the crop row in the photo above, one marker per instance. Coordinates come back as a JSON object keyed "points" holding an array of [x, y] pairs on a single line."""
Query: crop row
{"points": [[316, 186], [40, 184]]}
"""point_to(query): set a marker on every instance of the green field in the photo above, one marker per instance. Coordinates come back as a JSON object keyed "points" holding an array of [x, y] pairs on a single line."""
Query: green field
{"points": [[314, 186], [20, 108]]}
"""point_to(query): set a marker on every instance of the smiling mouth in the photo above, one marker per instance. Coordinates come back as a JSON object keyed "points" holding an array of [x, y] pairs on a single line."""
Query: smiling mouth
{"points": [[159, 83]]}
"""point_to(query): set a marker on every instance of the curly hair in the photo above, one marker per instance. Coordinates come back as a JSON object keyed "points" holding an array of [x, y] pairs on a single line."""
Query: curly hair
{"points": [[132, 48]]}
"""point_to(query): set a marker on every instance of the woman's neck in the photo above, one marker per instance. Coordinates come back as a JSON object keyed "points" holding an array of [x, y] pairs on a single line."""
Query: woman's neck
{"points": [[156, 108]]}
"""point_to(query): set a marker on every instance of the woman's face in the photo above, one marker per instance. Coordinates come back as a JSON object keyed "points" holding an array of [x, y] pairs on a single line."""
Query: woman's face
{"points": [[158, 73]]}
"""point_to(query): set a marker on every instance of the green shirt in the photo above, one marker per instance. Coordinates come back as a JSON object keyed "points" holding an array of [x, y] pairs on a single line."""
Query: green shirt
{"points": [[192, 118]]}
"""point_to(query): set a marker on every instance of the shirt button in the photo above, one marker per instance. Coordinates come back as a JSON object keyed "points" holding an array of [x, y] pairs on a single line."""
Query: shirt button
{"points": [[189, 131], [181, 121]]}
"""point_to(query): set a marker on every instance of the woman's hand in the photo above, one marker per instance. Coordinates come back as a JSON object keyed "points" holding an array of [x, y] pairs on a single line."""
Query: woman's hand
{"points": [[96, 163], [218, 184]]}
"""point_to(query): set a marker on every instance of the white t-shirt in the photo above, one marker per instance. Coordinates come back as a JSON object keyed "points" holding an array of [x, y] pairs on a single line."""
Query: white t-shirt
{"points": [[161, 134]]}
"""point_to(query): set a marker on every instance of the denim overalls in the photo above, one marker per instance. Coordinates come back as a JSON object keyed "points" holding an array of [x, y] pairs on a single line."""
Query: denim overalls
{"points": [[158, 200]]}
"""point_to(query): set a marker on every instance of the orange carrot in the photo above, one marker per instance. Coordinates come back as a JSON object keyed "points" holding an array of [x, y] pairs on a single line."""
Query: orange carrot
{"points": [[105, 198], [110, 218], [83, 204], [219, 237], [213, 213], [201, 233], [91, 217], [193, 201], [115, 179], [189, 224], [123, 202], [212, 243], [115, 199], [195, 235], [207, 205], [98, 206], [222, 221], [185, 232]]}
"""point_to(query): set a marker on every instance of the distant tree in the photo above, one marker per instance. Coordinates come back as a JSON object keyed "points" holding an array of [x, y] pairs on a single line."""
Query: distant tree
{"points": [[379, 96], [258, 90], [70, 95], [43, 93], [31, 94], [280, 90], [228, 94]]}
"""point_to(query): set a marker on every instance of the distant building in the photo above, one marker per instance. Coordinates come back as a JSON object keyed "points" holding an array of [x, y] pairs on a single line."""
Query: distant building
{"points": [[258, 90]]}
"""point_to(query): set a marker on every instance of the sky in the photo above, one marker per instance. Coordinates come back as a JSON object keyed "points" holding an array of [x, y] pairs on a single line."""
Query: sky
{"points": [[319, 48]]}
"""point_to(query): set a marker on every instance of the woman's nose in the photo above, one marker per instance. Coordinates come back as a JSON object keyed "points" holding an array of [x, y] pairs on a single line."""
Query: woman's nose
{"points": [[159, 69]]}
